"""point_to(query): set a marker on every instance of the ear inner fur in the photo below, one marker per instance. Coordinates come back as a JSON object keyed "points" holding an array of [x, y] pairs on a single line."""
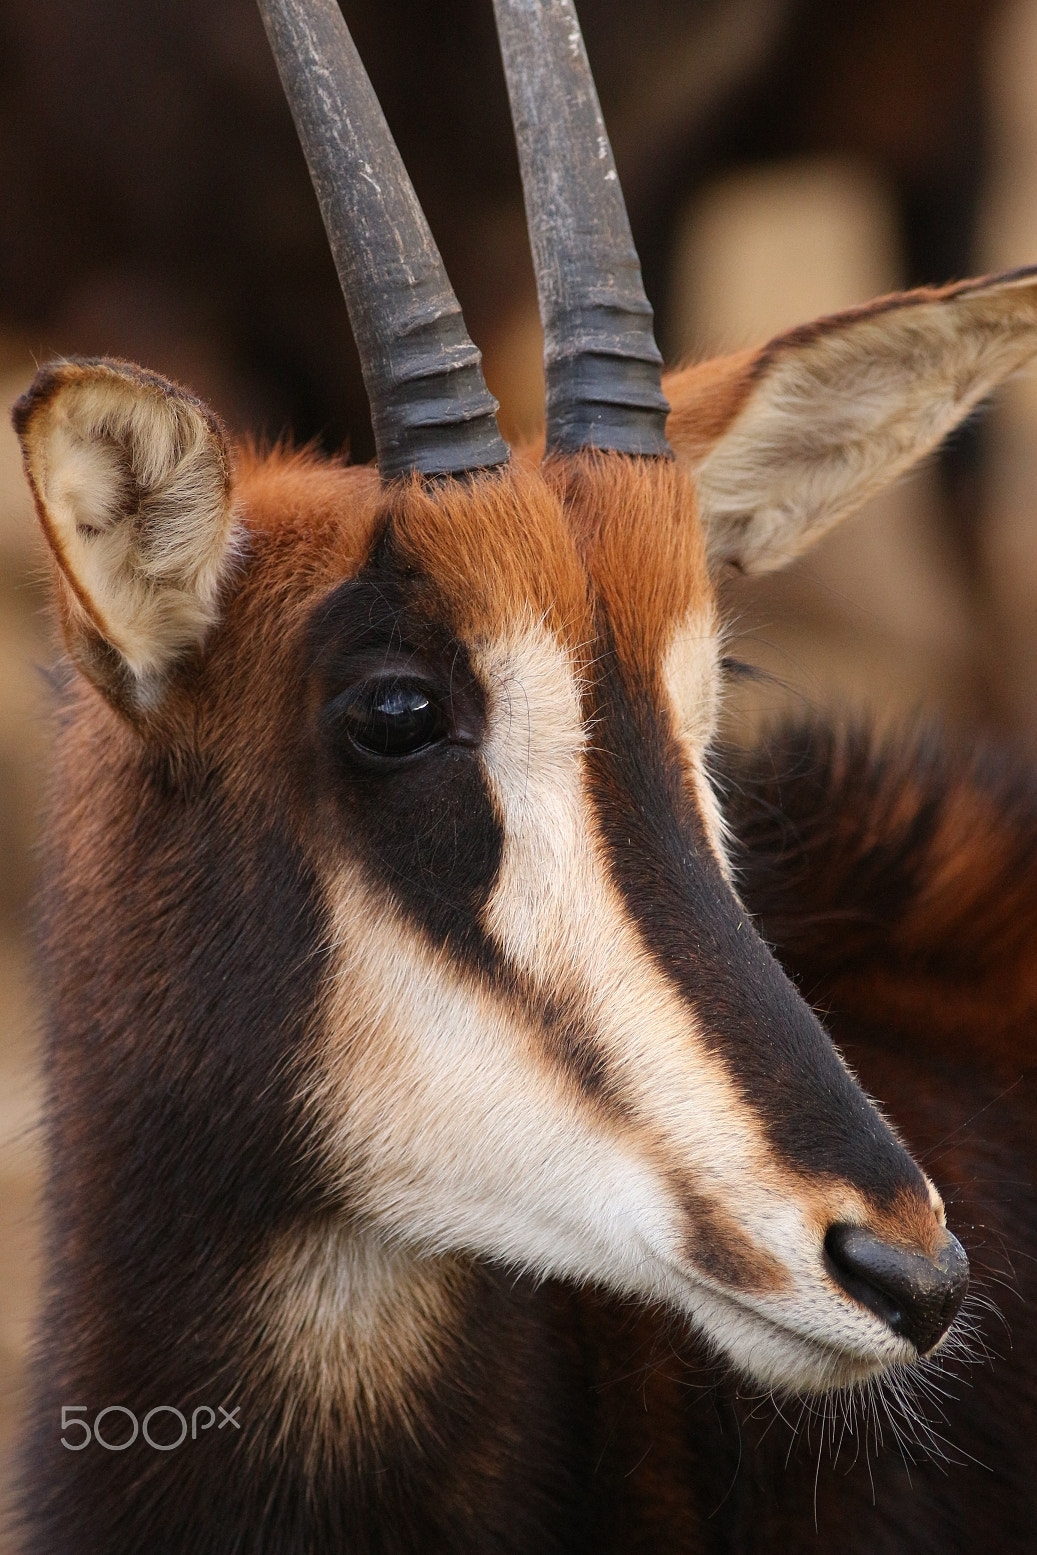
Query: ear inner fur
{"points": [[787, 441], [132, 481]]}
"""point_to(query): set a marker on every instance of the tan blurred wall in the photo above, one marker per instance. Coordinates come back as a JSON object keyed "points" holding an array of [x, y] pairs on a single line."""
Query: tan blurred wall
{"points": [[877, 616], [24, 650], [1010, 239]]}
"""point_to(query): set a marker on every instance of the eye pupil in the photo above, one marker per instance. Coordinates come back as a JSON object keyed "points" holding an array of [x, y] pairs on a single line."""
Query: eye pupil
{"points": [[392, 716], [402, 703]]}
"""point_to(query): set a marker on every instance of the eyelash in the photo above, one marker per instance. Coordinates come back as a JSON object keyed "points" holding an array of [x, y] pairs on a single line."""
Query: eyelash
{"points": [[737, 669]]}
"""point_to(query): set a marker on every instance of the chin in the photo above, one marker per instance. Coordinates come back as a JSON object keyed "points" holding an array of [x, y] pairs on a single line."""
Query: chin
{"points": [[793, 1354]]}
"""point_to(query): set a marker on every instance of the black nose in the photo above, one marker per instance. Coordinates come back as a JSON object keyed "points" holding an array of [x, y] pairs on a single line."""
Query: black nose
{"points": [[918, 1297]]}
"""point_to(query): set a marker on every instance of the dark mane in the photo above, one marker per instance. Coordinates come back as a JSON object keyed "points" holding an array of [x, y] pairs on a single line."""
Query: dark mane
{"points": [[896, 883], [895, 878]]}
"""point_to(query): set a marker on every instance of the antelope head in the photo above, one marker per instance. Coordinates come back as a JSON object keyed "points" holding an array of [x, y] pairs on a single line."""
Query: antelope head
{"points": [[472, 694]]}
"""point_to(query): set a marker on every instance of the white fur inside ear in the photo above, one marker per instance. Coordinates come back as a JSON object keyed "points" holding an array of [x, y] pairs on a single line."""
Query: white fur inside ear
{"points": [[844, 407], [133, 482]]}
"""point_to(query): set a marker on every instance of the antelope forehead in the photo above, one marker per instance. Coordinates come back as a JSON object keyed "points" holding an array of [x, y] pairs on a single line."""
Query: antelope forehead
{"points": [[535, 685], [535, 731], [537, 734], [555, 896]]}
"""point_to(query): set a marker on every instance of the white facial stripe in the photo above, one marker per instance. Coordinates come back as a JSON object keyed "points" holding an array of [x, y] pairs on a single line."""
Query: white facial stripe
{"points": [[532, 756], [446, 1126], [557, 916], [691, 679], [451, 1127]]}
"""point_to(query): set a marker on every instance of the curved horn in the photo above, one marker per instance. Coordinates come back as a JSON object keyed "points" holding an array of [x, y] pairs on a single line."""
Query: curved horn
{"points": [[603, 365], [430, 406]]}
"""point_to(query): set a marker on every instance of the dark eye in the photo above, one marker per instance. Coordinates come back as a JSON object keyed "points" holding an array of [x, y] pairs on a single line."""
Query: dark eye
{"points": [[389, 716]]}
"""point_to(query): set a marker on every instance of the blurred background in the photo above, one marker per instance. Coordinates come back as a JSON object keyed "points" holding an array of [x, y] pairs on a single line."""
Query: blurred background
{"points": [[780, 158]]}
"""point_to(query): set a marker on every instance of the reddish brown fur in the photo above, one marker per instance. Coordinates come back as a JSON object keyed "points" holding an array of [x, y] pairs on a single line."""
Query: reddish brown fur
{"points": [[975, 901], [636, 524], [706, 398], [502, 549], [499, 549]]}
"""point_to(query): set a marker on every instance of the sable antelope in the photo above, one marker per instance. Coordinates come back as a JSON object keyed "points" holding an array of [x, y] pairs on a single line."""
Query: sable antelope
{"points": [[422, 1091]]}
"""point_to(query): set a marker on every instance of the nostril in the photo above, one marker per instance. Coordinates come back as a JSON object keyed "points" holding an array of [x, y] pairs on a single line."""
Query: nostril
{"points": [[918, 1297]]}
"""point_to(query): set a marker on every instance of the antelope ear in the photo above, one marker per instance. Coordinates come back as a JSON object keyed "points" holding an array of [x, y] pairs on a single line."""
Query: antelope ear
{"points": [[131, 478], [787, 441]]}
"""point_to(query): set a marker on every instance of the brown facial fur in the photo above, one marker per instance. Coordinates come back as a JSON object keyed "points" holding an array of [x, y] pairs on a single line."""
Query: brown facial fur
{"points": [[706, 397]]}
